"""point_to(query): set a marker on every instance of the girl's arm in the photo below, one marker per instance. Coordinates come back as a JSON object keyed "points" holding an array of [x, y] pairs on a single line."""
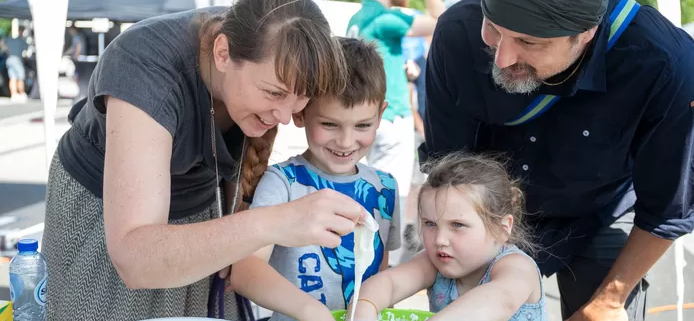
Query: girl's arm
{"points": [[255, 279], [514, 280], [394, 285]]}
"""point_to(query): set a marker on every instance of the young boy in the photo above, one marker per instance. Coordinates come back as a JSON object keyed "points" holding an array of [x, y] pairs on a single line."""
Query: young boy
{"points": [[306, 283]]}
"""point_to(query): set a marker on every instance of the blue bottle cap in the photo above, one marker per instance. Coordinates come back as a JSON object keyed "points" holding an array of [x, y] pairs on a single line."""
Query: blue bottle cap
{"points": [[28, 245]]}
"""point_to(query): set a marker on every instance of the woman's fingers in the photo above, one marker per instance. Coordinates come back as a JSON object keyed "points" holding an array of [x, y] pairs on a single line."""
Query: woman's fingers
{"points": [[346, 207], [329, 239], [321, 218], [340, 225]]}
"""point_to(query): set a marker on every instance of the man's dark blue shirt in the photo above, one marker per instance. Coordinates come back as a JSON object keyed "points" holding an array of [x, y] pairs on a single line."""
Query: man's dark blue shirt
{"points": [[619, 138]]}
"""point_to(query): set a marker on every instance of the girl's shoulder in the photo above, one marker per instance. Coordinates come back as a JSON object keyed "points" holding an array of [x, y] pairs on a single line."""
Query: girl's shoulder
{"points": [[511, 255], [509, 249], [513, 260]]}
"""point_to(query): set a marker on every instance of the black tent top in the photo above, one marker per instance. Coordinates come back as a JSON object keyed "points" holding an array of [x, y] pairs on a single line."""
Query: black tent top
{"points": [[116, 10]]}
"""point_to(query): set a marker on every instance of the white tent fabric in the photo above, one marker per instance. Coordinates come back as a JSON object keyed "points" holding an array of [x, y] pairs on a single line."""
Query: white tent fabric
{"points": [[49, 18], [115, 10], [338, 14]]}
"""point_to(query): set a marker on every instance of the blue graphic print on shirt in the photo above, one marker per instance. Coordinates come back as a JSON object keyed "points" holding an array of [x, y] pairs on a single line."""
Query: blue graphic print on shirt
{"points": [[341, 259]]}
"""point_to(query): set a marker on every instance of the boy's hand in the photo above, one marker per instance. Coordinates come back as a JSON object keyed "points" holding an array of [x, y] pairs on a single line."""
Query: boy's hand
{"points": [[225, 274], [317, 311]]}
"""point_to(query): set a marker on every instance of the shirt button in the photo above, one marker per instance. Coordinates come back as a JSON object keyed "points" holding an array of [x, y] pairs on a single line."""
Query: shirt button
{"points": [[533, 139], [586, 133], [525, 167]]}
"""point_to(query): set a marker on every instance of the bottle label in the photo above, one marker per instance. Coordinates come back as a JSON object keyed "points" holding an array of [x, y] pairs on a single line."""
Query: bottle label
{"points": [[16, 286], [40, 292]]}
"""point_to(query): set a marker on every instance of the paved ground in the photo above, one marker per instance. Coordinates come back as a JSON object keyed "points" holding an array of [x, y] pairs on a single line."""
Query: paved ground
{"points": [[22, 186], [8, 109]]}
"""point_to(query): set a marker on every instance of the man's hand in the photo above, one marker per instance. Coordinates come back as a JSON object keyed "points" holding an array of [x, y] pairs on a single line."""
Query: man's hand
{"points": [[638, 255], [412, 70], [596, 310]]}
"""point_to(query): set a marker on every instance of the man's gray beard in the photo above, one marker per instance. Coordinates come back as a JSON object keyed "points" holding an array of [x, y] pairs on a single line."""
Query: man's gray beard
{"points": [[532, 82], [526, 85]]}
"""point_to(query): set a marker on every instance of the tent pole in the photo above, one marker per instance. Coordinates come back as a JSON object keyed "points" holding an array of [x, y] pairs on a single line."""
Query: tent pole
{"points": [[102, 42], [49, 17]]}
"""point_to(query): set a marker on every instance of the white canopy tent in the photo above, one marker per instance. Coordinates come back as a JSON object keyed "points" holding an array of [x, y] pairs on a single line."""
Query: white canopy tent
{"points": [[49, 18]]}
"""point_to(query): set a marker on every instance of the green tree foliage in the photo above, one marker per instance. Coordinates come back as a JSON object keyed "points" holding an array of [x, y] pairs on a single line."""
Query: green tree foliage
{"points": [[5, 25], [687, 7]]}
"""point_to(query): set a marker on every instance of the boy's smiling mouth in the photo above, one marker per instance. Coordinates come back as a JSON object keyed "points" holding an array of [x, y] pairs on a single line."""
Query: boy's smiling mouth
{"points": [[341, 154]]}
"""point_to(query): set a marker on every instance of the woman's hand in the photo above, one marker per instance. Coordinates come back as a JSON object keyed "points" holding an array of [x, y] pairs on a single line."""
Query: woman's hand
{"points": [[319, 218]]}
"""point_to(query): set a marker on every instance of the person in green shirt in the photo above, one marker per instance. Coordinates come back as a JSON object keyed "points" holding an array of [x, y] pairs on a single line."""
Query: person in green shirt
{"points": [[394, 148]]}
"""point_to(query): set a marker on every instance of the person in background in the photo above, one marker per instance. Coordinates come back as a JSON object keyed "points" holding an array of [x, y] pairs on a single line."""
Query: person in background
{"points": [[306, 283], [394, 147], [596, 112], [16, 50], [78, 45], [415, 50]]}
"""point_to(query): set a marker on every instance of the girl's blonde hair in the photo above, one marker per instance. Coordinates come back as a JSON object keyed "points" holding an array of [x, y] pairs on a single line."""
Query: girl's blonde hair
{"points": [[493, 194]]}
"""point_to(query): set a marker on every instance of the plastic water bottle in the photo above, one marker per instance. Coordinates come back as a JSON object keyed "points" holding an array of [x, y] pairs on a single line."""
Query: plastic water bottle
{"points": [[28, 276]]}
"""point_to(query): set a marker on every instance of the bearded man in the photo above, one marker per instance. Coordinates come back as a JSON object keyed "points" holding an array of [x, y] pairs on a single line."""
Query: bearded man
{"points": [[593, 103]]}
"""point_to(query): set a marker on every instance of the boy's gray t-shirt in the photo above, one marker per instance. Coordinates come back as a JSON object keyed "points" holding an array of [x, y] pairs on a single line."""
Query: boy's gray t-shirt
{"points": [[328, 274]]}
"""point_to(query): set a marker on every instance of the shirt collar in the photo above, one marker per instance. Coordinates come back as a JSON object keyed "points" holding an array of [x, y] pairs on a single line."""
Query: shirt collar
{"points": [[593, 77]]}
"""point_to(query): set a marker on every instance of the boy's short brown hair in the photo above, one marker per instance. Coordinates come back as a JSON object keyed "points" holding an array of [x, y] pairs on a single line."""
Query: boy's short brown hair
{"points": [[366, 76]]}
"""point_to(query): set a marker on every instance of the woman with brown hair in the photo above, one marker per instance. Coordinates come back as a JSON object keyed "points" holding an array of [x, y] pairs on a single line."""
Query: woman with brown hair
{"points": [[176, 105]]}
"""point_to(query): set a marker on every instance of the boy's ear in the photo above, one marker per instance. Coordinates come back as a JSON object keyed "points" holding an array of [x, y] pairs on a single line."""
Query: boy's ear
{"points": [[381, 111], [298, 119], [383, 107]]}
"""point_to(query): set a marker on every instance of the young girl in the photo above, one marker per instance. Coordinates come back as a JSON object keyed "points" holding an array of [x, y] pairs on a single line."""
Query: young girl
{"points": [[471, 224]]}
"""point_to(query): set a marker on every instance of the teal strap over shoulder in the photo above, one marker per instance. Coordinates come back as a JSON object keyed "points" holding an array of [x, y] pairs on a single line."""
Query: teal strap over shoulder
{"points": [[619, 20]]}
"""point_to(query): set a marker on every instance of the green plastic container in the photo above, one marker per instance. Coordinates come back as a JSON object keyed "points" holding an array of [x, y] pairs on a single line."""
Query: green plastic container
{"points": [[392, 315]]}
